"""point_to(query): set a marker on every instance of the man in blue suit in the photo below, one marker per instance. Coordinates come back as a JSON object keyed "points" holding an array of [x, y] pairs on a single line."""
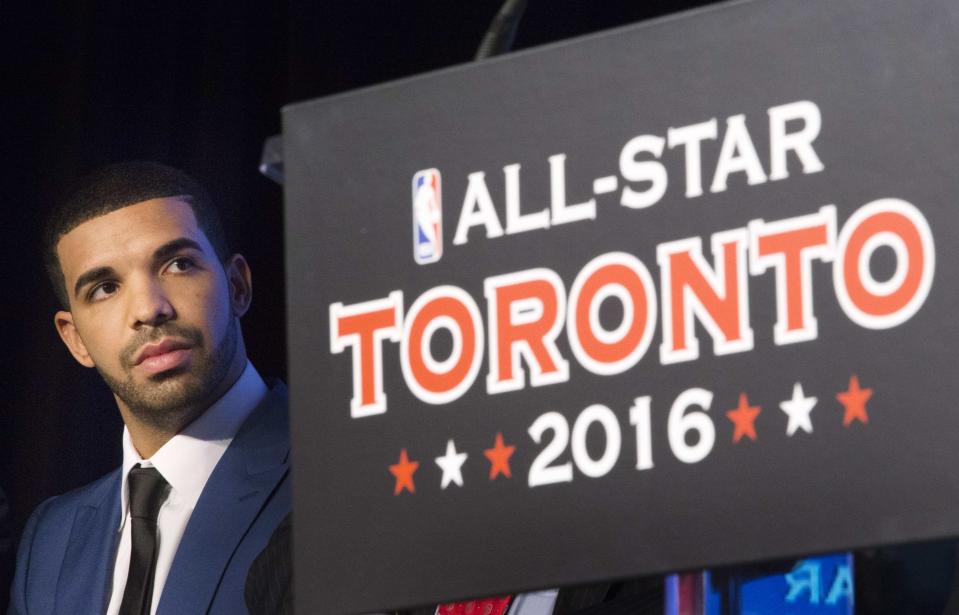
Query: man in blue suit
{"points": [[152, 298]]}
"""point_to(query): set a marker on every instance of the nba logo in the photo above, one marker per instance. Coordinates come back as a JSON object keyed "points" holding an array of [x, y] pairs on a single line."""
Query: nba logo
{"points": [[427, 217]]}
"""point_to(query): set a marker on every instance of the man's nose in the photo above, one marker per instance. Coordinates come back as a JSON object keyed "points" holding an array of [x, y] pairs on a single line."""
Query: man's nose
{"points": [[149, 304]]}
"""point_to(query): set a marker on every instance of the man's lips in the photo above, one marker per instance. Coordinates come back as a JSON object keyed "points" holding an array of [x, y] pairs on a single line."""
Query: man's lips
{"points": [[163, 355]]}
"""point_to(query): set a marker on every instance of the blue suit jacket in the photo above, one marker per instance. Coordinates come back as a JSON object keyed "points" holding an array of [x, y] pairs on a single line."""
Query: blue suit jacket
{"points": [[66, 555]]}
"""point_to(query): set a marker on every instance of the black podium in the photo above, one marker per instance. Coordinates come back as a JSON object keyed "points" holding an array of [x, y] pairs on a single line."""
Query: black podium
{"points": [[673, 296]]}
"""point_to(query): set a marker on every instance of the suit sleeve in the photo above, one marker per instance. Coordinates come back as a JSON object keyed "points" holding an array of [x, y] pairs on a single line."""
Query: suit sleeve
{"points": [[18, 592]]}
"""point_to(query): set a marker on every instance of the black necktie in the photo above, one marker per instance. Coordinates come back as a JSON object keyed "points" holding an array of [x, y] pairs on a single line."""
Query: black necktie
{"points": [[147, 492]]}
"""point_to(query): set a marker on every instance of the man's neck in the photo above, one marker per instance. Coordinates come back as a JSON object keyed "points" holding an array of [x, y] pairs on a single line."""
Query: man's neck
{"points": [[148, 437]]}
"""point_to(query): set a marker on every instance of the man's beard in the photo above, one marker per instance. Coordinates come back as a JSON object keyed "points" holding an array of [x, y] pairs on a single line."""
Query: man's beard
{"points": [[172, 399]]}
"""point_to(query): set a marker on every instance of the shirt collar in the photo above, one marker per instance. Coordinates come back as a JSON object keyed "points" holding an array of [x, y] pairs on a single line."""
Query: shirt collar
{"points": [[188, 458]]}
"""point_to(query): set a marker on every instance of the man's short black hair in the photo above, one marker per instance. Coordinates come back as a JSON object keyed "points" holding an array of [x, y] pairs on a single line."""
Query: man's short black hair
{"points": [[117, 186]]}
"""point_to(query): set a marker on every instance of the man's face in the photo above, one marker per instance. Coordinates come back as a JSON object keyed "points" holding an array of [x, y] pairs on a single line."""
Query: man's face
{"points": [[154, 310]]}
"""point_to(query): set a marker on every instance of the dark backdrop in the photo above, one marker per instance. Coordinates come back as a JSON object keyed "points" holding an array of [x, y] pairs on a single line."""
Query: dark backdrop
{"points": [[197, 85]]}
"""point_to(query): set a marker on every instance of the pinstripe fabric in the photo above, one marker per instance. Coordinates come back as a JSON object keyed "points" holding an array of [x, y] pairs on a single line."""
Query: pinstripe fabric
{"points": [[269, 584]]}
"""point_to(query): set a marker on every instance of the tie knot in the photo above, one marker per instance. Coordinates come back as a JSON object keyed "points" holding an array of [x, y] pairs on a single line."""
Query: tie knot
{"points": [[147, 492]]}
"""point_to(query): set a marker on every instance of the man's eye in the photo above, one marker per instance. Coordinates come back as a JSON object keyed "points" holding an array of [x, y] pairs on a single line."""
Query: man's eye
{"points": [[103, 290], [180, 265]]}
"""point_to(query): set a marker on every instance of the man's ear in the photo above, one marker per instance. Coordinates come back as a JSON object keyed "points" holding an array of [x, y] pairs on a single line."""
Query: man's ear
{"points": [[71, 338], [241, 283]]}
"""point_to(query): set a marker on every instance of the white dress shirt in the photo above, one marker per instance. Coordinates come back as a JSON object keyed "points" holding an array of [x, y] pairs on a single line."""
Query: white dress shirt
{"points": [[185, 462]]}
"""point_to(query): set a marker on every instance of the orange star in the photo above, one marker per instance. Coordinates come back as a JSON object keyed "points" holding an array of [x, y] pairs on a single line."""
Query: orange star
{"points": [[499, 458], [744, 419], [403, 471], [854, 400]]}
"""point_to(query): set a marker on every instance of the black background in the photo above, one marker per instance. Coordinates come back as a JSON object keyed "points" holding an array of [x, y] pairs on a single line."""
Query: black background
{"points": [[197, 85]]}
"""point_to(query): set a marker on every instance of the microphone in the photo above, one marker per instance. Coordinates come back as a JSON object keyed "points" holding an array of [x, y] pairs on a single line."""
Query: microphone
{"points": [[502, 31]]}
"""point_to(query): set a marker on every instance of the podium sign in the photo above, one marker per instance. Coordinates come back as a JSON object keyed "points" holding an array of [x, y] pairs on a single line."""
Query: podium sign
{"points": [[678, 295]]}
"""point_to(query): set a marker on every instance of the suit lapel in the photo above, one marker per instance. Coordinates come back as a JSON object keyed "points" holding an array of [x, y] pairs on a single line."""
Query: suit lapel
{"points": [[242, 481], [86, 572]]}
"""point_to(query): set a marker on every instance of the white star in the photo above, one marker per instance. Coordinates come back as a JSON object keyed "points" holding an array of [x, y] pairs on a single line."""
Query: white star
{"points": [[798, 409], [451, 463]]}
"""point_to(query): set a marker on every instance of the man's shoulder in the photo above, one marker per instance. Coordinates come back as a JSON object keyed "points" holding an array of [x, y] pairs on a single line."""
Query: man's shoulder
{"points": [[92, 494], [271, 414], [270, 419], [276, 394], [48, 533]]}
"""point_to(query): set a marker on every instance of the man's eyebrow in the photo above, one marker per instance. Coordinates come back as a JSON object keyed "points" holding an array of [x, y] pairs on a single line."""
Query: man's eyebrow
{"points": [[94, 275], [171, 248], [162, 253]]}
